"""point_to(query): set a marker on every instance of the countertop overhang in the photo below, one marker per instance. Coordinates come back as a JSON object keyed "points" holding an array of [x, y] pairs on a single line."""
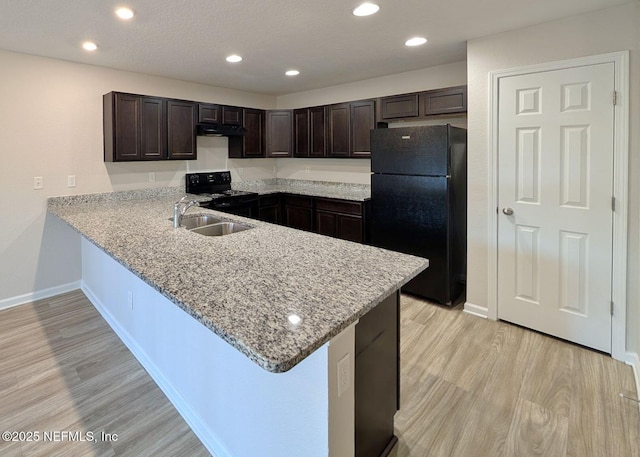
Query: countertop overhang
{"points": [[243, 286]]}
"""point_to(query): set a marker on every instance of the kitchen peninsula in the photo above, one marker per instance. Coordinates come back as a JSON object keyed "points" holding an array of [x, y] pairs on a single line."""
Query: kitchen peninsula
{"points": [[251, 335]]}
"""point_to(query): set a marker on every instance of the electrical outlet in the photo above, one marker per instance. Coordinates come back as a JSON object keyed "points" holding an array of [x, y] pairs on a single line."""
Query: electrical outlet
{"points": [[130, 299], [38, 182], [71, 181], [344, 374], [152, 177]]}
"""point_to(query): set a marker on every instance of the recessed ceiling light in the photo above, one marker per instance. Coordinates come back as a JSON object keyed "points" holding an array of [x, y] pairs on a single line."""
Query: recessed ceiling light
{"points": [[292, 72], [234, 58], [366, 9], [124, 13], [89, 46], [415, 41]]}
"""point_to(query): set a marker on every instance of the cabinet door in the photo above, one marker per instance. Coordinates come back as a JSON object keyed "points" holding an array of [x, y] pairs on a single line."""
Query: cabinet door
{"points": [[338, 130], [301, 133], [279, 133], [377, 377], [349, 228], [254, 138], [298, 217], [181, 130], [270, 208], [363, 119], [232, 115], [152, 144], [209, 113], [445, 101], [298, 212], [127, 131], [269, 214], [317, 131], [399, 106], [326, 223]]}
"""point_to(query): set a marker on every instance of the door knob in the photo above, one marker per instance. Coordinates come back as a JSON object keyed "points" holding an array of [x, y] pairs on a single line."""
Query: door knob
{"points": [[507, 211]]}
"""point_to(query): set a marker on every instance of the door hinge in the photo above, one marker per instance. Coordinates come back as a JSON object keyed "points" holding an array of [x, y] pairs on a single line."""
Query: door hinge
{"points": [[611, 308], [613, 203], [615, 97]]}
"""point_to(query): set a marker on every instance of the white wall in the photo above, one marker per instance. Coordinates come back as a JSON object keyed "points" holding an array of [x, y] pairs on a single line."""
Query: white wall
{"points": [[51, 124], [359, 170], [609, 30]]}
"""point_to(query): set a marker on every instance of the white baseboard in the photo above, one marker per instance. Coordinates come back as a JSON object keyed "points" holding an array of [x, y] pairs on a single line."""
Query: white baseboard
{"points": [[479, 311], [633, 359], [38, 295], [191, 418]]}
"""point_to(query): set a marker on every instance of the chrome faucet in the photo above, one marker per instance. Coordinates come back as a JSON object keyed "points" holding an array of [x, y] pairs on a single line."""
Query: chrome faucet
{"points": [[180, 208]]}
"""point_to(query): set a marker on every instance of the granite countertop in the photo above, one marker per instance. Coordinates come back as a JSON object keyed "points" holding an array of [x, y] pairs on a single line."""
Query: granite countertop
{"points": [[342, 191], [242, 286]]}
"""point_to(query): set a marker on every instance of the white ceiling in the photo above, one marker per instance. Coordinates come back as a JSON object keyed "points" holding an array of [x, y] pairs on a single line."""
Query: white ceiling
{"points": [[189, 40]]}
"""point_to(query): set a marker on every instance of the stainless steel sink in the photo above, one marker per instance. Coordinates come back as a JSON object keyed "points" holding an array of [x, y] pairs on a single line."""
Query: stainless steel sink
{"points": [[221, 228], [199, 220]]}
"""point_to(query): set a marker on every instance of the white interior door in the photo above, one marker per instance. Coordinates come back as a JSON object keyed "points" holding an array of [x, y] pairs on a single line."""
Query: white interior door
{"points": [[555, 187]]}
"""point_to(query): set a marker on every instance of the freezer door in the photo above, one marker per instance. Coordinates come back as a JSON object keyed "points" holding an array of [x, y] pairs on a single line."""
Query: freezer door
{"points": [[409, 214], [419, 151]]}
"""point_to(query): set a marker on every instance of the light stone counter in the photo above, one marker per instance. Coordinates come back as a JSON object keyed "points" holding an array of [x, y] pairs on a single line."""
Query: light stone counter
{"points": [[242, 286], [343, 191]]}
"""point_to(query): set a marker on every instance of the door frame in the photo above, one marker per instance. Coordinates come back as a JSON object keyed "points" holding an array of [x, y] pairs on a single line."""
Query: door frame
{"points": [[620, 186]]}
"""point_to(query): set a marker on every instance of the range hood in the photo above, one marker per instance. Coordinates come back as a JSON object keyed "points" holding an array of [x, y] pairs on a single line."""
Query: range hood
{"points": [[220, 130]]}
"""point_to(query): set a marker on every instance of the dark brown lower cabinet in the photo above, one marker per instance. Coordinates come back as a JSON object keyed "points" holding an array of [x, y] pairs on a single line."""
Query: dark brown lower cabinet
{"points": [[340, 218], [298, 212], [377, 378], [270, 208]]}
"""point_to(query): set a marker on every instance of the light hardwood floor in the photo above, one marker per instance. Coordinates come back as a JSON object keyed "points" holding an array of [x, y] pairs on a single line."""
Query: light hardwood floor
{"points": [[63, 369], [470, 388], [477, 388]]}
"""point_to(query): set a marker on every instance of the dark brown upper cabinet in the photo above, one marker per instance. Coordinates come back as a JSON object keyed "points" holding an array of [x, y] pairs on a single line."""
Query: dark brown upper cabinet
{"points": [[444, 101], [318, 131], [451, 100], [301, 139], [348, 128], [399, 106], [138, 127], [181, 130], [309, 132], [363, 119], [232, 115], [279, 133], [209, 113], [338, 130], [252, 143]]}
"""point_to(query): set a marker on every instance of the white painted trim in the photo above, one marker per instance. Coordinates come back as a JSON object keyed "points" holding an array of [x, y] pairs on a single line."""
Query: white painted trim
{"points": [[38, 295], [633, 360], [194, 421], [620, 180], [475, 310]]}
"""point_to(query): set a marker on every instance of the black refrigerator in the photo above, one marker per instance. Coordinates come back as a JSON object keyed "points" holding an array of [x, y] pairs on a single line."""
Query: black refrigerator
{"points": [[419, 203]]}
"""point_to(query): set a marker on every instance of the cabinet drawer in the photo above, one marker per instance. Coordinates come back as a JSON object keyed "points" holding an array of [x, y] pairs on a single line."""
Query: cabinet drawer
{"points": [[339, 206], [269, 200], [297, 200]]}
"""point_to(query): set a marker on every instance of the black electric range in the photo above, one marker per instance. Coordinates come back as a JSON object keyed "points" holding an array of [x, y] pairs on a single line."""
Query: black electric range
{"points": [[216, 185]]}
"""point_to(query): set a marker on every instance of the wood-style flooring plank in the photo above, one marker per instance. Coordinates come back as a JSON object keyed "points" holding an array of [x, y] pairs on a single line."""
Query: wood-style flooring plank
{"points": [[64, 369], [517, 392], [536, 431]]}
